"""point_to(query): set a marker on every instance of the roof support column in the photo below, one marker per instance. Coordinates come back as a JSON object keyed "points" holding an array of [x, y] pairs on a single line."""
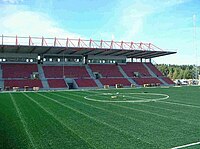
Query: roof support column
{"points": [[85, 59], [2, 39]]}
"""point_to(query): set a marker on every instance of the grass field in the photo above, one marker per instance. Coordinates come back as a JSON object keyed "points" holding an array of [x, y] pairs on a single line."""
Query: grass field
{"points": [[125, 118]]}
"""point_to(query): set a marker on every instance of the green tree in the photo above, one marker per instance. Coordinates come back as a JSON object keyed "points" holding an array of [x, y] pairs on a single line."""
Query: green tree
{"points": [[180, 73], [187, 74], [175, 74]]}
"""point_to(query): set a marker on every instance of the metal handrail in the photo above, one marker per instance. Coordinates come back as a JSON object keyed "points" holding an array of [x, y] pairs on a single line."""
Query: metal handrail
{"points": [[79, 43]]}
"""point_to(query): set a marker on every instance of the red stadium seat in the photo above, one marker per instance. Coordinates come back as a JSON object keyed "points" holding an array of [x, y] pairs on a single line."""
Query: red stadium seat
{"points": [[67, 71], [130, 68], [114, 81], [18, 70], [86, 83], [154, 69], [22, 83], [106, 70], [57, 83], [142, 81]]}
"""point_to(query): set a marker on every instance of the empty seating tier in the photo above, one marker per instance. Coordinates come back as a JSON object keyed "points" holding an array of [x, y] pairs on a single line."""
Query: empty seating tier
{"points": [[22, 83], [85, 83], [20, 75], [66, 71], [106, 70], [18, 70], [154, 69], [168, 80], [57, 83], [131, 68], [142, 81], [114, 81]]}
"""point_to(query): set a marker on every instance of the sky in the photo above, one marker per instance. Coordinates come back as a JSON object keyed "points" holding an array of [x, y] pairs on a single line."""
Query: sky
{"points": [[168, 24]]}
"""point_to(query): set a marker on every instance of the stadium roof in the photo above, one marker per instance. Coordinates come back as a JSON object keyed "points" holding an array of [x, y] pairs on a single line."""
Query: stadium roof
{"points": [[15, 44]]}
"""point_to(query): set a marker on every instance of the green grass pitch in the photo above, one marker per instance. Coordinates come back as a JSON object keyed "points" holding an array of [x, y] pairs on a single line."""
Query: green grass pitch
{"points": [[146, 118]]}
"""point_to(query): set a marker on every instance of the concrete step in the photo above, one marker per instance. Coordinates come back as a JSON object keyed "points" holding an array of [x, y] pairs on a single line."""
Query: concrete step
{"points": [[42, 77], [89, 70], [99, 84], [1, 84], [70, 80], [41, 72], [149, 70], [125, 76], [1, 73], [154, 75], [1, 79], [45, 84]]}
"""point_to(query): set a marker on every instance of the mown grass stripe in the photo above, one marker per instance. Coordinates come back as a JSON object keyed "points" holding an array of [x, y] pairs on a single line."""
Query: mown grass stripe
{"points": [[151, 113], [71, 118], [23, 122], [157, 107], [168, 117], [180, 104], [187, 145], [57, 119], [179, 113], [96, 120], [157, 126], [115, 113], [167, 109]]}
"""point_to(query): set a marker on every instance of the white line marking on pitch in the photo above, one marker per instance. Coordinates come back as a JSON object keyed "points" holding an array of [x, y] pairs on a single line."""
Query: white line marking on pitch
{"points": [[95, 119], [187, 145], [165, 96], [181, 104], [22, 121], [57, 119]]}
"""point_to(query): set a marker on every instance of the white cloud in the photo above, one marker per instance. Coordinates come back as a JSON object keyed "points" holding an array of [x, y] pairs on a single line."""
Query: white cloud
{"points": [[132, 19], [179, 59], [22, 22], [13, 1], [174, 2], [134, 14]]}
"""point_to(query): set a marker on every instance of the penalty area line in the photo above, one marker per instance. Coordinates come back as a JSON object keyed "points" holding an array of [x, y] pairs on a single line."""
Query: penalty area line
{"points": [[187, 145]]}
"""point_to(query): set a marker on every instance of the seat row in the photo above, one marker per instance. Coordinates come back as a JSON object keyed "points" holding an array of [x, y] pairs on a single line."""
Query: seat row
{"points": [[20, 75]]}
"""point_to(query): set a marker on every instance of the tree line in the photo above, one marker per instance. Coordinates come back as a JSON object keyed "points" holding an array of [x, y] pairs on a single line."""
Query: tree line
{"points": [[179, 71]]}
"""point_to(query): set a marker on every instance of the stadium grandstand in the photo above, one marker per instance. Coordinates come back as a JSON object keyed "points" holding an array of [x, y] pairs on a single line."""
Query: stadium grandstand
{"points": [[33, 63]]}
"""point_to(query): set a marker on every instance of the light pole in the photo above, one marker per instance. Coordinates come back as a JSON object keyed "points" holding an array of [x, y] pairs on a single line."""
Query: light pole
{"points": [[195, 47]]}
